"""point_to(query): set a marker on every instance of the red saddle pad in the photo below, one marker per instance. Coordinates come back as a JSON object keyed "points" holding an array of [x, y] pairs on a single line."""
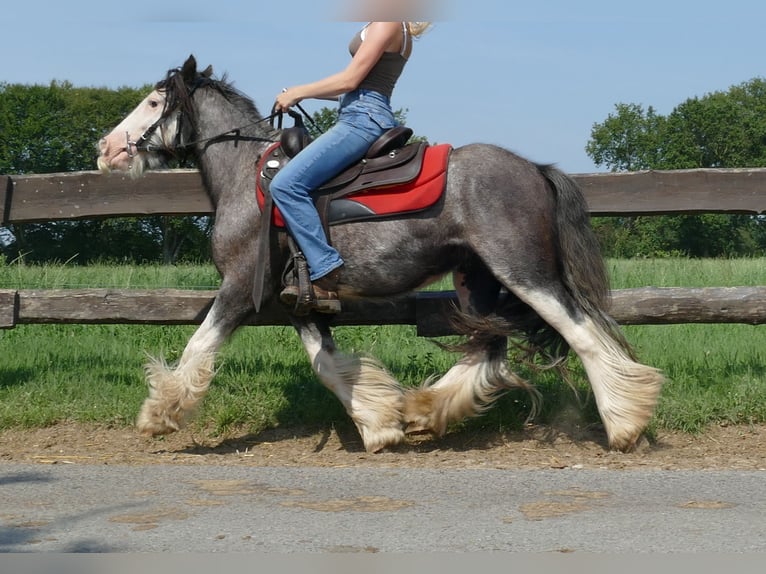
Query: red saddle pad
{"points": [[417, 195]]}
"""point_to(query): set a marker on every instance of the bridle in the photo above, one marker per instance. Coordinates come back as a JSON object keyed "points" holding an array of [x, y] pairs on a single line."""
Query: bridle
{"points": [[234, 134], [142, 143]]}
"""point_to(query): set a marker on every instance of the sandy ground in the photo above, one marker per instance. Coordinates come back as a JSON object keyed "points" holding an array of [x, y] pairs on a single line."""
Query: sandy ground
{"points": [[537, 447]]}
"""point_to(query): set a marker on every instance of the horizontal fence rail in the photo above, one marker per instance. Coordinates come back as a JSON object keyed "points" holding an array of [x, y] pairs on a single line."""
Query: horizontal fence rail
{"points": [[428, 311], [46, 197], [82, 195]]}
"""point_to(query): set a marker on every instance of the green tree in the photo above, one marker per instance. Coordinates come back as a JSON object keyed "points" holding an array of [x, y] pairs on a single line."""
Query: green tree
{"points": [[721, 129], [54, 128], [629, 140]]}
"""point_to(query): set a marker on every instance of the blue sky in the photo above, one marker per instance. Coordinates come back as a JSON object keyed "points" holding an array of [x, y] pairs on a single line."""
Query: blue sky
{"points": [[533, 78]]}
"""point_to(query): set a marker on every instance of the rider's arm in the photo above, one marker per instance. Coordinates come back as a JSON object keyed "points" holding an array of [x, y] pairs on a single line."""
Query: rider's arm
{"points": [[379, 37]]}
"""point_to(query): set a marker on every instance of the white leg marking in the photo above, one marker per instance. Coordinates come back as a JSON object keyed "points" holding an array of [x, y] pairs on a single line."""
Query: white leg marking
{"points": [[175, 392], [370, 395], [626, 392], [463, 294], [468, 389]]}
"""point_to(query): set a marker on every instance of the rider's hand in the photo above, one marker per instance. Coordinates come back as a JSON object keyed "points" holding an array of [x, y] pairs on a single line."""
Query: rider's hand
{"points": [[286, 100]]}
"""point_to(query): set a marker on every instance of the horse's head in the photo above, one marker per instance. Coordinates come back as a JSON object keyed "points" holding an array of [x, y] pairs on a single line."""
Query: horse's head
{"points": [[158, 127]]}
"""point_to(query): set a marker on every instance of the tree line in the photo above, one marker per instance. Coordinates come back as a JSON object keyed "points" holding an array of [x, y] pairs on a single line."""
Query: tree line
{"points": [[725, 129], [54, 128]]}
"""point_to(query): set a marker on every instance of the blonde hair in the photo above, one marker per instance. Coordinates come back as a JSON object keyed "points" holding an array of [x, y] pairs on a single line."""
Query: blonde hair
{"points": [[417, 29]]}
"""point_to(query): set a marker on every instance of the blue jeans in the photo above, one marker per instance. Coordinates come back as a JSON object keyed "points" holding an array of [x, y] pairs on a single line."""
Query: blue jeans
{"points": [[363, 117]]}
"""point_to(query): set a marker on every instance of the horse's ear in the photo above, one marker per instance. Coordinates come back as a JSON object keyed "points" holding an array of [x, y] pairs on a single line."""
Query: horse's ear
{"points": [[208, 72], [189, 70]]}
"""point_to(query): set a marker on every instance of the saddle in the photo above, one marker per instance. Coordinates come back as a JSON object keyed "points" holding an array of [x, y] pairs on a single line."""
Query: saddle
{"points": [[394, 178]]}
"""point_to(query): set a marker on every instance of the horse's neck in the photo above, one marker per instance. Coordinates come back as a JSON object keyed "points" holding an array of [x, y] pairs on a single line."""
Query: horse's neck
{"points": [[221, 162]]}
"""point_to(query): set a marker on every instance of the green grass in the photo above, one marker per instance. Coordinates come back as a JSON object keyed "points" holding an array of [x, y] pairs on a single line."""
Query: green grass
{"points": [[673, 272], [51, 373], [51, 276], [716, 373]]}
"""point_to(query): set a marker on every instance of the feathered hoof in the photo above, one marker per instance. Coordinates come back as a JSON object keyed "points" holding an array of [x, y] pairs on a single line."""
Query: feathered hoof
{"points": [[153, 420], [380, 439], [418, 429], [625, 441], [420, 413]]}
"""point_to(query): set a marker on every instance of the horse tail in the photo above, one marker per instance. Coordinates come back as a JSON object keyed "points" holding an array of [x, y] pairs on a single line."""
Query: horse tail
{"points": [[582, 266]]}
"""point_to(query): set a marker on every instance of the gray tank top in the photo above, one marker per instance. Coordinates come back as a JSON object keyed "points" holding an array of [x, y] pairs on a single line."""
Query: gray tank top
{"points": [[383, 76]]}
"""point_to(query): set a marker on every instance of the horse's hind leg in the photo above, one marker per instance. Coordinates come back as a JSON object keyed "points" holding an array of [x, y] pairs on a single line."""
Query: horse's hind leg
{"points": [[479, 378], [175, 392], [370, 395], [626, 392]]}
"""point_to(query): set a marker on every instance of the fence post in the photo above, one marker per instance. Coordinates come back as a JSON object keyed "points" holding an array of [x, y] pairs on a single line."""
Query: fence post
{"points": [[6, 193], [9, 308]]}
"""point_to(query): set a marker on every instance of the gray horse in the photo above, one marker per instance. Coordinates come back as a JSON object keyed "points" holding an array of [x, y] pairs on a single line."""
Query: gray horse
{"points": [[515, 235]]}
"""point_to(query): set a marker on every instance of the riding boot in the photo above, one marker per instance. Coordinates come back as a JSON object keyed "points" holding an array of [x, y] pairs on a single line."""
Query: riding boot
{"points": [[325, 293]]}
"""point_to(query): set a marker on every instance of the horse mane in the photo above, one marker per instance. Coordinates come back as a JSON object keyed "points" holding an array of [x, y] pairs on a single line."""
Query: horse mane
{"points": [[179, 93]]}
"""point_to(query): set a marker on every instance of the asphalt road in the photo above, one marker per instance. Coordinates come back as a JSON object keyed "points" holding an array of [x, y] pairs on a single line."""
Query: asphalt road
{"points": [[80, 508]]}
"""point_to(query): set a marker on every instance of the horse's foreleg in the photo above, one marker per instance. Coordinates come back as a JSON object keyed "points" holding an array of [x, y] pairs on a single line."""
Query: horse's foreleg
{"points": [[370, 395], [175, 392]]}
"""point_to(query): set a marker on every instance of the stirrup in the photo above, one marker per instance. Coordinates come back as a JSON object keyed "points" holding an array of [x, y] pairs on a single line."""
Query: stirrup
{"points": [[298, 292], [291, 297]]}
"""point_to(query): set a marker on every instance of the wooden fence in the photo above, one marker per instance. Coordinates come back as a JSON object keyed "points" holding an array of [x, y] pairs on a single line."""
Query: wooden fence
{"points": [[82, 195]]}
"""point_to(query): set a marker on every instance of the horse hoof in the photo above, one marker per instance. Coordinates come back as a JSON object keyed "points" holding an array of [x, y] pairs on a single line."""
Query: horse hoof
{"points": [[625, 439], [418, 431], [624, 445], [151, 431], [419, 417], [381, 439], [153, 422]]}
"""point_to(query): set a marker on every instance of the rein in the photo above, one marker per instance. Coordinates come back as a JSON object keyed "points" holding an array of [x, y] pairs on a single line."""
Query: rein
{"points": [[235, 134]]}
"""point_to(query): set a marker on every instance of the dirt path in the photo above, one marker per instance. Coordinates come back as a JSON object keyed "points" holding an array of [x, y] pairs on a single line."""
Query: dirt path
{"points": [[737, 447]]}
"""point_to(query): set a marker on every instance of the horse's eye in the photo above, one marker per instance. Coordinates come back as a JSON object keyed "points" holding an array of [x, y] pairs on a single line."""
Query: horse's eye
{"points": [[153, 103]]}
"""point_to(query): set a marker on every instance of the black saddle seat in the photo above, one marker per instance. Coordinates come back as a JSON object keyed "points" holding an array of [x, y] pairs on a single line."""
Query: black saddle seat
{"points": [[294, 139], [394, 138]]}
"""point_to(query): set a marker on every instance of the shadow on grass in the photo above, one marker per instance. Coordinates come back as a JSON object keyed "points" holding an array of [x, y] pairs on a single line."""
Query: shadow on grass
{"points": [[15, 377]]}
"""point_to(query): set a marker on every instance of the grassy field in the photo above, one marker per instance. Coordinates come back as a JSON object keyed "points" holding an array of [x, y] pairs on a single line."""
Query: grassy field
{"points": [[50, 373]]}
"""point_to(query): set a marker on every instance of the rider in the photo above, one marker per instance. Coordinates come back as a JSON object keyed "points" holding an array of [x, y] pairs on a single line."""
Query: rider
{"points": [[379, 52]]}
